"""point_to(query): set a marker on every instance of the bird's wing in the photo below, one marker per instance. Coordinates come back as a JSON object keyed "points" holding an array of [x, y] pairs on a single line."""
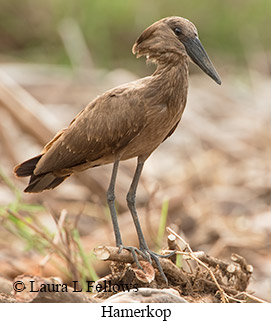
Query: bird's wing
{"points": [[105, 126]]}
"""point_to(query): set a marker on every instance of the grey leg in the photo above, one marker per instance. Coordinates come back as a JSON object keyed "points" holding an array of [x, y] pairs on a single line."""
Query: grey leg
{"points": [[111, 203], [131, 199], [144, 250], [113, 213]]}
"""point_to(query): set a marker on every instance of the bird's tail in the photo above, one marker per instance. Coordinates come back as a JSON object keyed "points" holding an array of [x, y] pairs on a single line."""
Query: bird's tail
{"points": [[27, 168], [37, 183]]}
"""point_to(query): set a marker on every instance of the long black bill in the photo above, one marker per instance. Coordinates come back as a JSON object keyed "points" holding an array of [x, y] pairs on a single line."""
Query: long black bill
{"points": [[199, 56]]}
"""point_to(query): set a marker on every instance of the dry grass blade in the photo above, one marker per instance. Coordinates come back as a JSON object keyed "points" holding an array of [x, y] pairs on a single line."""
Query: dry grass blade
{"points": [[65, 244], [216, 263]]}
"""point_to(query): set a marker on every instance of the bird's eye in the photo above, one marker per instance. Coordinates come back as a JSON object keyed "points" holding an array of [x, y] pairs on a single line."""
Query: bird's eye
{"points": [[177, 31]]}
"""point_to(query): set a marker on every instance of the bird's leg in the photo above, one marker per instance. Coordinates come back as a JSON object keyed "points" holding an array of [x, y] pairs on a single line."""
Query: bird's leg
{"points": [[113, 213], [131, 197], [111, 204]]}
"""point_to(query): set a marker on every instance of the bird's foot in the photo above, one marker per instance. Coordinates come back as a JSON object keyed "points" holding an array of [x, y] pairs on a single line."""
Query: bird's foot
{"points": [[155, 256], [134, 252], [146, 253]]}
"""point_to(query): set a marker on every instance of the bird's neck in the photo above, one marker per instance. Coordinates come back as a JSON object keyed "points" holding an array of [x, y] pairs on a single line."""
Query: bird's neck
{"points": [[171, 79]]}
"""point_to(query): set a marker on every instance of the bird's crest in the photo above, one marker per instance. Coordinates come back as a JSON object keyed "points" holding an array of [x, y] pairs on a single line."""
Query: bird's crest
{"points": [[140, 46]]}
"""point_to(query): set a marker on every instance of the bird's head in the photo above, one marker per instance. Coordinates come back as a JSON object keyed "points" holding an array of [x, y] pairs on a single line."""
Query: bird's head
{"points": [[172, 39]]}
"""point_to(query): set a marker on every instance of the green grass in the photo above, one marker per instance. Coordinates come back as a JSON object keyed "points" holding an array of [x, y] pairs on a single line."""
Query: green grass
{"points": [[37, 237], [179, 260], [14, 225], [87, 270], [162, 224], [228, 29], [17, 204]]}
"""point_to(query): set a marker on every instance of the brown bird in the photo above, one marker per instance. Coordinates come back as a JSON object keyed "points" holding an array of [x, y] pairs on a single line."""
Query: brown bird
{"points": [[131, 120]]}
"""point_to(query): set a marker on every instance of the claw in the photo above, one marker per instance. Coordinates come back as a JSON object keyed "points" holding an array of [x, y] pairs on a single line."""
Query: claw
{"points": [[155, 258], [120, 248], [149, 255], [165, 256], [134, 250]]}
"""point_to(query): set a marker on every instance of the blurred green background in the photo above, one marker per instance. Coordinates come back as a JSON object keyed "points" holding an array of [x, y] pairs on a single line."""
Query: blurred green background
{"points": [[29, 29]]}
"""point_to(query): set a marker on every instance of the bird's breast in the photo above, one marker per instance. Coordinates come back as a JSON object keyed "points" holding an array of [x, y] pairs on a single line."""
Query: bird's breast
{"points": [[159, 122]]}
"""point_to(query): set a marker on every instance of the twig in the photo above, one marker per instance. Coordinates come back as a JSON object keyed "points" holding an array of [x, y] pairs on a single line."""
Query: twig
{"points": [[187, 246], [242, 262], [172, 245], [252, 297], [17, 102], [112, 253], [224, 296], [169, 230]]}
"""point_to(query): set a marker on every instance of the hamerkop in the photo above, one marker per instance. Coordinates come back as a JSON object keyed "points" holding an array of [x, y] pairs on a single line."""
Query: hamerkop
{"points": [[131, 120]]}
